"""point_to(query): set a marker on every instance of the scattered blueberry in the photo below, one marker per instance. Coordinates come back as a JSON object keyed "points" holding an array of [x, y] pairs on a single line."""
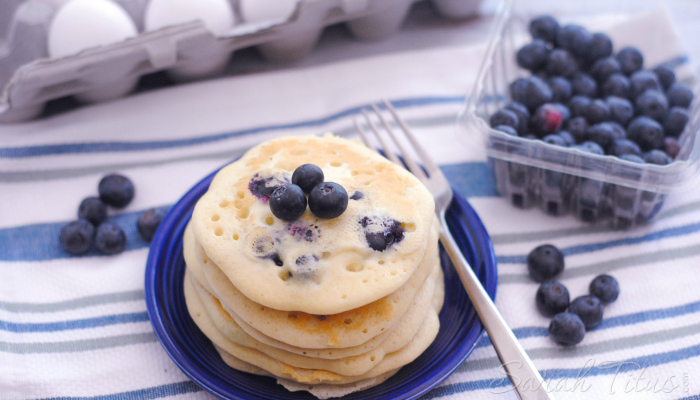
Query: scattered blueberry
{"points": [[567, 329], [301, 230], [604, 68], [544, 27], [545, 262], [675, 120], [642, 81], [646, 132], [679, 95], [533, 56], [575, 39], [605, 288], [561, 89], [116, 190], [307, 176], [666, 76], [589, 309], [288, 202], [148, 222], [631, 60], [621, 110], [552, 298], [653, 104], [532, 92], [547, 119], [601, 47], [328, 200], [671, 147], [93, 210], [262, 187], [583, 84], [617, 85], [657, 157], [359, 195], [501, 117], [110, 239], [597, 111], [560, 63], [382, 233], [523, 115], [505, 128], [578, 127], [625, 146], [77, 236]]}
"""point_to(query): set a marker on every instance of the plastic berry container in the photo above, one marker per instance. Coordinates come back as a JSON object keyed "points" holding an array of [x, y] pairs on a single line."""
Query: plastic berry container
{"points": [[560, 180]]}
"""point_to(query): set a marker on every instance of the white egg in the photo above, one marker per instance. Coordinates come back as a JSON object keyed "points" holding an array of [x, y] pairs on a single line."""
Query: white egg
{"points": [[262, 10], [216, 15], [83, 24]]}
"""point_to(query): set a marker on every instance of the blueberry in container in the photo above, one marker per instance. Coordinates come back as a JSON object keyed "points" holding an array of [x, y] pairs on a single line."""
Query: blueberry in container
{"points": [[593, 187]]}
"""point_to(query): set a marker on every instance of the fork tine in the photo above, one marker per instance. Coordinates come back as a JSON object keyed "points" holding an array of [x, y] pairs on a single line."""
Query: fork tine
{"points": [[412, 166], [387, 150], [362, 132], [430, 166]]}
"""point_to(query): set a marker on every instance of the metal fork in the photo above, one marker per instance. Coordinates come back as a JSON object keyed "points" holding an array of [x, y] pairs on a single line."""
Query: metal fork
{"points": [[526, 380]]}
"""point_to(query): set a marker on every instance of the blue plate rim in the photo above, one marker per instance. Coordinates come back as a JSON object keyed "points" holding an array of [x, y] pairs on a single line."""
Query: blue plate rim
{"points": [[466, 218]]}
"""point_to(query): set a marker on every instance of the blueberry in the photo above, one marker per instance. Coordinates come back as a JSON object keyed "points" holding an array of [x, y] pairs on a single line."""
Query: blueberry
{"points": [[601, 47], [625, 146], [675, 120], [544, 27], [583, 84], [288, 202], [359, 195], [148, 222], [545, 262], [262, 187], [561, 89], [589, 309], [617, 85], [621, 110], [597, 111], [578, 127], [567, 137], [523, 115], [604, 68], [500, 117], [631, 60], [575, 38], [110, 239], [560, 63], [507, 129], [578, 105], [605, 288], [666, 76], [552, 298], [380, 234], [657, 157], [555, 140], [632, 158], [307, 176], [646, 132], [547, 119], [564, 111], [93, 210], [601, 133], [533, 56], [679, 95], [642, 81], [77, 236], [671, 147], [653, 104], [328, 200], [532, 92], [590, 147], [567, 329], [116, 190]]}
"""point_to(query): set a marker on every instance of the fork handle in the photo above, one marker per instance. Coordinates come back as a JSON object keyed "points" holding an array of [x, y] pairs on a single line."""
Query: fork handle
{"points": [[526, 380]]}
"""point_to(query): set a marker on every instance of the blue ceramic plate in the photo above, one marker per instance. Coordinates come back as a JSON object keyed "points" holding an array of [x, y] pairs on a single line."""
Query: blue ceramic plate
{"points": [[460, 327]]}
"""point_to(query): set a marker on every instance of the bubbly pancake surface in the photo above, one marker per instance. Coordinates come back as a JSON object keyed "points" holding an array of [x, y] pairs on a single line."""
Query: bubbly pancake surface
{"points": [[313, 265]]}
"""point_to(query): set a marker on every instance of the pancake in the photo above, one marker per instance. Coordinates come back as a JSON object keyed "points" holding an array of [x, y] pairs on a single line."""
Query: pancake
{"points": [[347, 329], [422, 339], [328, 266]]}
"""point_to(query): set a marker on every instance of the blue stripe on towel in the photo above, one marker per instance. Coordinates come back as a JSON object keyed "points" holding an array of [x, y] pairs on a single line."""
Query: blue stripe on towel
{"points": [[74, 324], [172, 389]]}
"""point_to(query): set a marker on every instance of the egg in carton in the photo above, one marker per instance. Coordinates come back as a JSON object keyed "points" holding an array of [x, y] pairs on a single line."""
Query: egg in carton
{"points": [[122, 40]]}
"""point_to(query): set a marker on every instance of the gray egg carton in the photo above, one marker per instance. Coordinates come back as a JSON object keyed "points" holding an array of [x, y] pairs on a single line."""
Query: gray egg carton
{"points": [[29, 78]]}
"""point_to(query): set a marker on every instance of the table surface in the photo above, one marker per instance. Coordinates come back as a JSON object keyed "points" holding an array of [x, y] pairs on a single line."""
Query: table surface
{"points": [[77, 327]]}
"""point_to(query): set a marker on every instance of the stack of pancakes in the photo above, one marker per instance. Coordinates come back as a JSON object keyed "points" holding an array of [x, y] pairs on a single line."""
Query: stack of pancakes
{"points": [[309, 301]]}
